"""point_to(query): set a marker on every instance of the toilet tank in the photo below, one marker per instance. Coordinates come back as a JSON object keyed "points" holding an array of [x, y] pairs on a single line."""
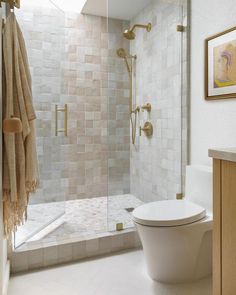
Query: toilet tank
{"points": [[199, 186]]}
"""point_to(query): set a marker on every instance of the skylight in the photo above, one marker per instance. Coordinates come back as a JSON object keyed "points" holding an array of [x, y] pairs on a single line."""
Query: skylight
{"points": [[70, 5]]}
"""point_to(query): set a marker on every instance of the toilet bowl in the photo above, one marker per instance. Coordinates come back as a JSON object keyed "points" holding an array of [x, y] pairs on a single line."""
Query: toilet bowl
{"points": [[177, 234]]}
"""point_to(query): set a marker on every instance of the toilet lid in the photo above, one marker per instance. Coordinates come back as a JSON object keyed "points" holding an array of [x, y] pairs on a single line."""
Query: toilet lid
{"points": [[168, 213]]}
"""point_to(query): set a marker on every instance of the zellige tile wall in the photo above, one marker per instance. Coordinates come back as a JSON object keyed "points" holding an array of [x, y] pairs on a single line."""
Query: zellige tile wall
{"points": [[73, 61], [156, 163]]}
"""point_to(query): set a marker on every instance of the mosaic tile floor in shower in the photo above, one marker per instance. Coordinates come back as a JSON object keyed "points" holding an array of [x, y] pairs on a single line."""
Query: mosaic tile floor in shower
{"points": [[84, 218]]}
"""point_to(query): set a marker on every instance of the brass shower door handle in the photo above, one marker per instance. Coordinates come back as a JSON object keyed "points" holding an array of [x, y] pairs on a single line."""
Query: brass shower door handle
{"points": [[65, 111]]}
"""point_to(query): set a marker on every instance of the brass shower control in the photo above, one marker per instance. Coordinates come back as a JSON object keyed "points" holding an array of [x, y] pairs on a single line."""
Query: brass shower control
{"points": [[147, 107], [147, 129]]}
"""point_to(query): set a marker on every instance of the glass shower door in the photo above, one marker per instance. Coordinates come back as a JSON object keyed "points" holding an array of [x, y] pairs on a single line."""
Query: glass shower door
{"points": [[42, 25], [148, 169]]}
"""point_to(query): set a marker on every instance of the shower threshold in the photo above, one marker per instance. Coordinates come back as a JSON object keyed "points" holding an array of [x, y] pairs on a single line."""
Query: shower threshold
{"points": [[87, 228]]}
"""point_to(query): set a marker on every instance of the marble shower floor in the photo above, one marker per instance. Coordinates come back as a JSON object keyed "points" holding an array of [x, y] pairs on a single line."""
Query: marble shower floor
{"points": [[83, 219]]}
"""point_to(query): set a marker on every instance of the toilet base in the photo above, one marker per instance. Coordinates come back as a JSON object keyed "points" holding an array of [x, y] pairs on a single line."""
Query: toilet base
{"points": [[178, 254]]}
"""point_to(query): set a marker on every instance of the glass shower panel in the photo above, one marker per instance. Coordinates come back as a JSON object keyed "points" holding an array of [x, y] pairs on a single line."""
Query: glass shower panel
{"points": [[43, 28], [86, 79], [144, 168], [118, 122]]}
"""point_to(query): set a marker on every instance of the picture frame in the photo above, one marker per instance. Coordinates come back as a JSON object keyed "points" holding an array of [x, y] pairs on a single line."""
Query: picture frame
{"points": [[220, 65]]}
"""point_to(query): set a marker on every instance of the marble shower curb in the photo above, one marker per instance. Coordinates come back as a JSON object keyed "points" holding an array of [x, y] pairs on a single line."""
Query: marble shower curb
{"points": [[33, 258]]}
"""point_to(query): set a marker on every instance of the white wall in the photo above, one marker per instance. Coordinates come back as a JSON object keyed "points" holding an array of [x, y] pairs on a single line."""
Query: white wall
{"points": [[4, 264], [213, 124]]}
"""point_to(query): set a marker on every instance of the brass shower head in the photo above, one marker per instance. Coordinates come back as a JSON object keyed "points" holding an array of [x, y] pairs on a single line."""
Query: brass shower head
{"points": [[130, 35]]}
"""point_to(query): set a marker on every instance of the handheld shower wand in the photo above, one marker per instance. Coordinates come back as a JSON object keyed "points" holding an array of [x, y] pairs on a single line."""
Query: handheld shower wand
{"points": [[123, 54]]}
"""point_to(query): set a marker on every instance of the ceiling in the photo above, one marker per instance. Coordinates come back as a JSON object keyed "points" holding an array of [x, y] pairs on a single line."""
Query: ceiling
{"points": [[118, 9]]}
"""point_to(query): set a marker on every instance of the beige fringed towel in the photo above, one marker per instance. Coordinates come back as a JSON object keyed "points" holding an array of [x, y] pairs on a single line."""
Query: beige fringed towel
{"points": [[20, 165]]}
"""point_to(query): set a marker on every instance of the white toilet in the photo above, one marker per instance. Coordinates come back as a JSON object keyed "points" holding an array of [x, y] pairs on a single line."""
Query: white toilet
{"points": [[177, 235]]}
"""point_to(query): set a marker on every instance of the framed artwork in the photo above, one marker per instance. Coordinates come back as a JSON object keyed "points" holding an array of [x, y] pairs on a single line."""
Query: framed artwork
{"points": [[220, 65]]}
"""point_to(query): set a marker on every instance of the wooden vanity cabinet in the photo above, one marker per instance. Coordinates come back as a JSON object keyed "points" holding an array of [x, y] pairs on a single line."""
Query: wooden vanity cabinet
{"points": [[224, 223]]}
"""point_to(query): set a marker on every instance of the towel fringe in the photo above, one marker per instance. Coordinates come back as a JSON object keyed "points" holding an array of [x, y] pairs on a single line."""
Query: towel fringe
{"points": [[16, 214]]}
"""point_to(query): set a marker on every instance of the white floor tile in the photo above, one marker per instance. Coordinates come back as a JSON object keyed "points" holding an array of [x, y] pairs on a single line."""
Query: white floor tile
{"points": [[122, 274]]}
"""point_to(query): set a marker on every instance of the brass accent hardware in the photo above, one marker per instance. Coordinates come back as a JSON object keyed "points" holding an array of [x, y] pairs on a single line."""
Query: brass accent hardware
{"points": [[12, 3], [119, 226], [147, 107], [136, 110], [65, 111], [130, 35], [147, 129], [180, 28], [179, 196], [123, 54]]}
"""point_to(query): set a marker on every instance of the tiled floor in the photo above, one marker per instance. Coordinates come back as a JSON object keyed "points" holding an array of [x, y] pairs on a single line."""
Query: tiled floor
{"points": [[83, 218], [122, 274]]}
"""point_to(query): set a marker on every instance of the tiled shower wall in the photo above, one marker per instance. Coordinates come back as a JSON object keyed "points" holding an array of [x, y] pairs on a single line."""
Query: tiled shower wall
{"points": [[94, 81], [118, 110], [156, 162], [73, 61], [43, 29]]}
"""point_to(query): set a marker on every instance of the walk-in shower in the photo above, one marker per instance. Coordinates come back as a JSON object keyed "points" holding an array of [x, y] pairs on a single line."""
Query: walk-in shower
{"points": [[110, 123]]}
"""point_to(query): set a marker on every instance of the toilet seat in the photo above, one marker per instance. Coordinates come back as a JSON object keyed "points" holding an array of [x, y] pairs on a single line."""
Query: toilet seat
{"points": [[168, 213]]}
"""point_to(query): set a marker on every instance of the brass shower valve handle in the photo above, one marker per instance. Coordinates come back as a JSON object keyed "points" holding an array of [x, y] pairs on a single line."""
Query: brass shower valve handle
{"points": [[147, 129], [147, 107]]}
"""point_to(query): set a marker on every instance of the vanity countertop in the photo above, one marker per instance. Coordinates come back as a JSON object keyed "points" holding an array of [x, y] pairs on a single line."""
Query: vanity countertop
{"points": [[227, 154]]}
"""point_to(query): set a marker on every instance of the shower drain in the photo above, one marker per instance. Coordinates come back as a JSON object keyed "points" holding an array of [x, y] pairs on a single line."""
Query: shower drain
{"points": [[129, 209]]}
